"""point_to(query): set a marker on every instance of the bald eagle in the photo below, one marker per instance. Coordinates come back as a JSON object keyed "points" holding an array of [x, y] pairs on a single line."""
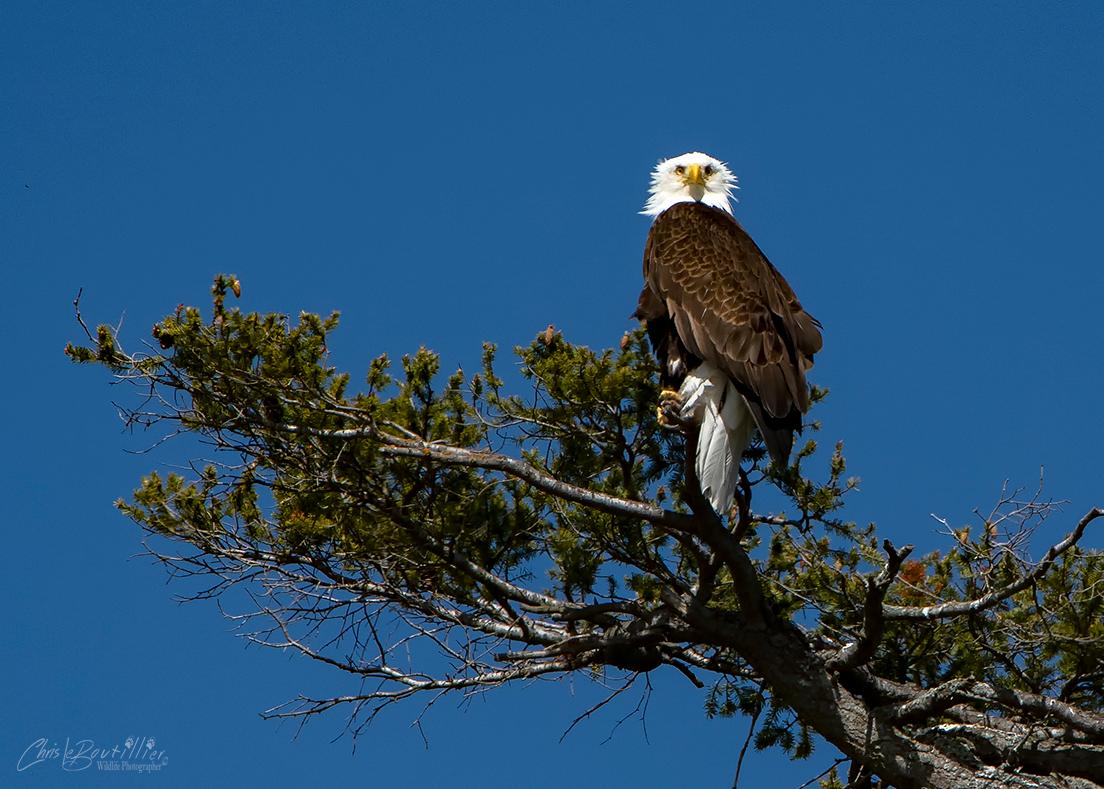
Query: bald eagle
{"points": [[732, 340]]}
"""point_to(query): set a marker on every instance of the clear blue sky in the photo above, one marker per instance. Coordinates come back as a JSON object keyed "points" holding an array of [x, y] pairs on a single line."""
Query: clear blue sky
{"points": [[928, 176]]}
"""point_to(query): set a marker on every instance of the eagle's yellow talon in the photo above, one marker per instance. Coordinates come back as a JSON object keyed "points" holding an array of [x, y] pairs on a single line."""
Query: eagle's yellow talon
{"points": [[667, 412]]}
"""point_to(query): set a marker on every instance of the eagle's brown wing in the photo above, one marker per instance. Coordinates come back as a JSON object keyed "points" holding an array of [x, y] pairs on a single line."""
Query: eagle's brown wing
{"points": [[728, 305]]}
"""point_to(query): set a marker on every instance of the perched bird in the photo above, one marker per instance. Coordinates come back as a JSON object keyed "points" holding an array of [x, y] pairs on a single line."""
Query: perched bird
{"points": [[732, 340]]}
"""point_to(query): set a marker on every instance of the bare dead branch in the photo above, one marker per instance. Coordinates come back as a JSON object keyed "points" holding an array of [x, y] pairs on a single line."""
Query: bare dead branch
{"points": [[594, 708], [747, 741], [952, 609]]}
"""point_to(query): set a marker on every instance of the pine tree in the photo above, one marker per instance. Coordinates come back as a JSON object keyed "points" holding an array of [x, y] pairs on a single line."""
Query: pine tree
{"points": [[559, 530]]}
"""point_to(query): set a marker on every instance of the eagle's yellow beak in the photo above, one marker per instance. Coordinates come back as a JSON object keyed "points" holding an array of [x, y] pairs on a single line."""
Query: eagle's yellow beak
{"points": [[694, 175]]}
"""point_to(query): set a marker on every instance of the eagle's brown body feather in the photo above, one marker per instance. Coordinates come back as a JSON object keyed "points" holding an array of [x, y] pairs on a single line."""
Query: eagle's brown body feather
{"points": [[710, 294]]}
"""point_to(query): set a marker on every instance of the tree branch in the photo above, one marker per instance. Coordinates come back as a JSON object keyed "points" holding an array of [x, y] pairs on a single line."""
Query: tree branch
{"points": [[960, 608], [862, 649]]}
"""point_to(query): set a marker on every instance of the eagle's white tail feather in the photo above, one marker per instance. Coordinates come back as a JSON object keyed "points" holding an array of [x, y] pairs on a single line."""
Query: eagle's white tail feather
{"points": [[710, 399], [694, 388]]}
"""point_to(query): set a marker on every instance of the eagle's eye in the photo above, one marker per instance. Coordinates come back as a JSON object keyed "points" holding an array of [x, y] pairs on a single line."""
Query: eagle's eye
{"points": [[680, 170], [709, 170]]}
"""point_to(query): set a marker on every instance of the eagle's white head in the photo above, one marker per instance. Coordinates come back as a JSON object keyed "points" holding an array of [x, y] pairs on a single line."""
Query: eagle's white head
{"points": [[690, 178]]}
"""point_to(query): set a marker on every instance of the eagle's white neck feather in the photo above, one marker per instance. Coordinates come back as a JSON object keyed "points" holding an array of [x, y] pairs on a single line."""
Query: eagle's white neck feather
{"points": [[669, 186]]}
